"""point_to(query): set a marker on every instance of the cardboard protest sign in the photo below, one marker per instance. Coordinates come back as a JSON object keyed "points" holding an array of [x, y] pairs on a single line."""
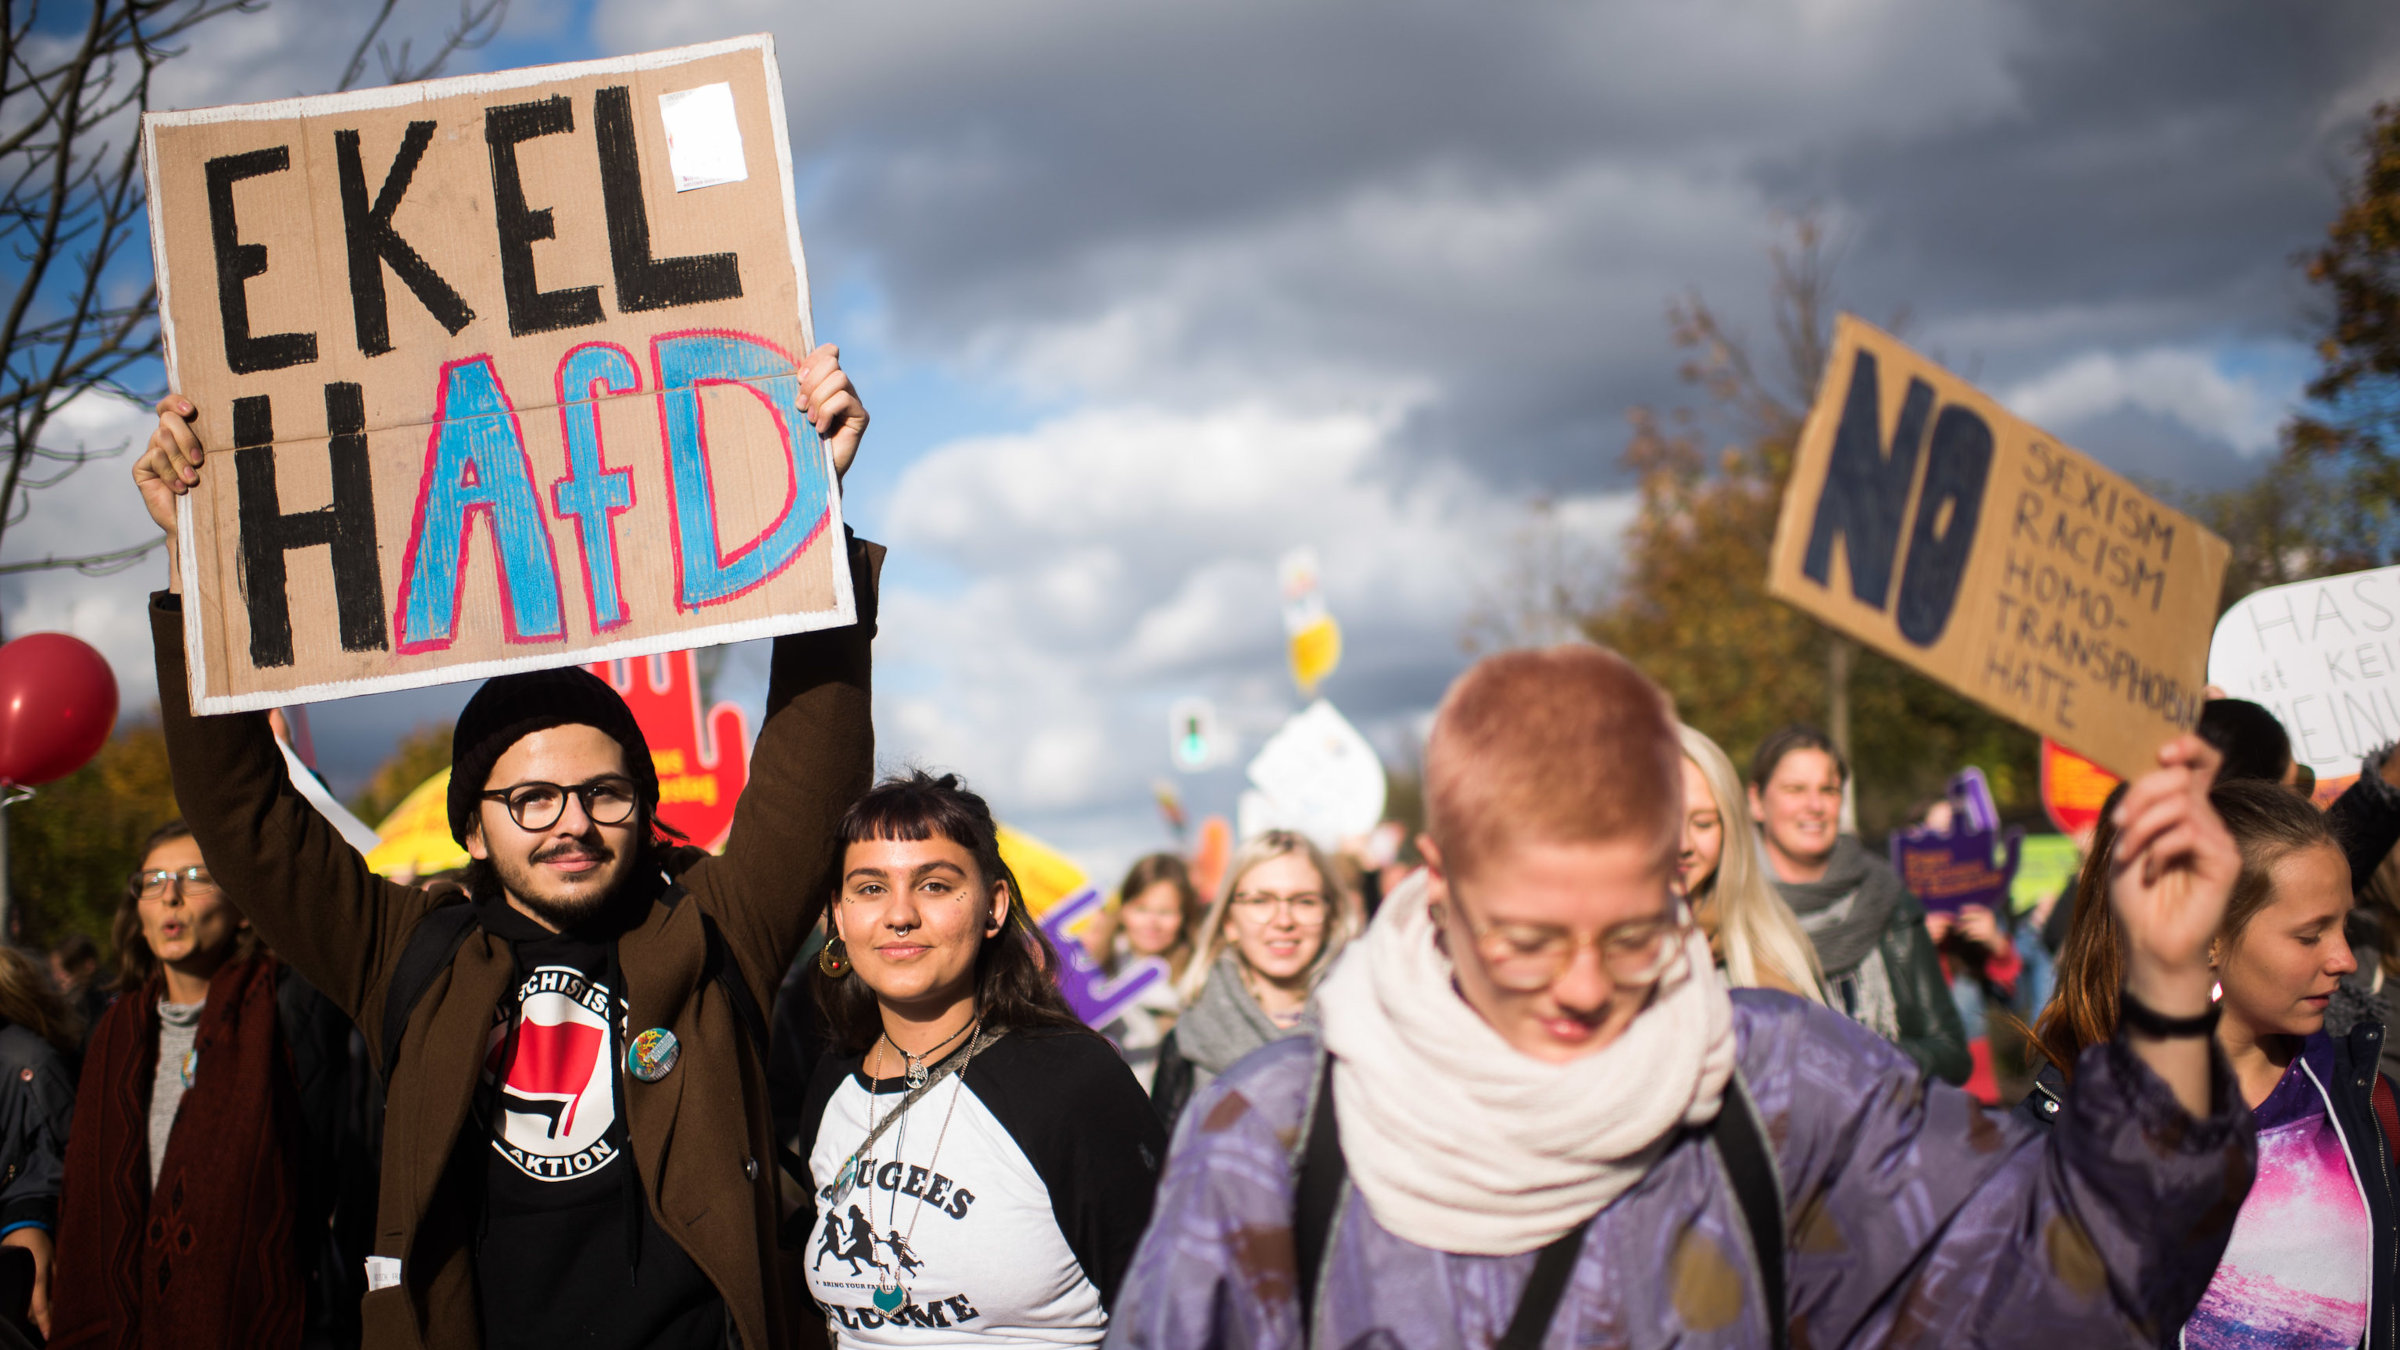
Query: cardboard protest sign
{"points": [[508, 368], [1925, 521], [2324, 657]]}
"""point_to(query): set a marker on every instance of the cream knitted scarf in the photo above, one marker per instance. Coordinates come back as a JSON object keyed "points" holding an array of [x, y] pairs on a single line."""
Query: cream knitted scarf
{"points": [[1460, 1142]]}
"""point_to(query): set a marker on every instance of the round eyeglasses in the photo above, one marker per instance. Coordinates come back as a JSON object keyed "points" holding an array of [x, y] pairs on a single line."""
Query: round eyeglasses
{"points": [[192, 880], [1307, 908], [1527, 958], [538, 806]]}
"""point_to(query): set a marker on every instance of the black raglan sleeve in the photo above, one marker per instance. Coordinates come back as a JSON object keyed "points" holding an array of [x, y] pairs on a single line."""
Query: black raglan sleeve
{"points": [[1084, 1122]]}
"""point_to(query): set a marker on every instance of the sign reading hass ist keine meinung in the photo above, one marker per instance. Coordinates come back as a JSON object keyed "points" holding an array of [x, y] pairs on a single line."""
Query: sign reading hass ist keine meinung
{"points": [[508, 366], [1925, 521]]}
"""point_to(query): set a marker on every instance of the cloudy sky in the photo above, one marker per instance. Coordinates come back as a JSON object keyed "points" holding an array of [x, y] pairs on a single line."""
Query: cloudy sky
{"points": [[1142, 296]]}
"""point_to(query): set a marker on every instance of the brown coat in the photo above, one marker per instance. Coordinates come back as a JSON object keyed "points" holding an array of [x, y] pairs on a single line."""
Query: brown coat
{"points": [[700, 1136]]}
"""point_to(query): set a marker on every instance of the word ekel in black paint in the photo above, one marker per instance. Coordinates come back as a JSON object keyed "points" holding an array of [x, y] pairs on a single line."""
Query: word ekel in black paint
{"points": [[1866, 493], [643, 282]]}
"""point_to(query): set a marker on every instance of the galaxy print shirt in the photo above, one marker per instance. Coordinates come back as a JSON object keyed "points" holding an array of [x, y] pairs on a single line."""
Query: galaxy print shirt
{"points": [[2295, 1274]]}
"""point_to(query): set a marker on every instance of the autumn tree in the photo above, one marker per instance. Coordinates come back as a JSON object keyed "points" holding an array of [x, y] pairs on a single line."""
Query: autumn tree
{"points": [[2330, 502], [1688, 601], [420, 755], [72, 845]]}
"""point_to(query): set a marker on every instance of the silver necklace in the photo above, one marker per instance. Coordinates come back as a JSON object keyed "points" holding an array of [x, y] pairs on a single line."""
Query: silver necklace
{"points": [[915, 1064], [890, 1295]]}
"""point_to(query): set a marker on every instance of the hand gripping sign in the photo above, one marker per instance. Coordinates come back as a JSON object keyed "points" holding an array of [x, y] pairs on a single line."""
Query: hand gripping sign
{"points": [[508, 365], [1924, 520]]}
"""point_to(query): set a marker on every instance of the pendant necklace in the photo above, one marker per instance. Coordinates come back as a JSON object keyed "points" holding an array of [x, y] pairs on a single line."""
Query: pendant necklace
{"points": [[890, 1295], [919, 1080], [916, 1063]]}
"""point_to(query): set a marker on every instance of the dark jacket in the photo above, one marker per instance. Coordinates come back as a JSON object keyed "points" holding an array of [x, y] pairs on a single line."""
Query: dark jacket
{"points": [[1930, 1032], [701, 1137], [2353, 1093], [37, 1105]]}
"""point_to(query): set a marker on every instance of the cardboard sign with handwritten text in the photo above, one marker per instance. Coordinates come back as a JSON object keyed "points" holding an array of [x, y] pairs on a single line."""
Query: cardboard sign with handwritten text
{"points": [[1927, 522], [508, 369]]}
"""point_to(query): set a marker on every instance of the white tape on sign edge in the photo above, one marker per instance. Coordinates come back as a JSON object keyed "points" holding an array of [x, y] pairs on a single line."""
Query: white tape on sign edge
{"points": [[704, 138]]}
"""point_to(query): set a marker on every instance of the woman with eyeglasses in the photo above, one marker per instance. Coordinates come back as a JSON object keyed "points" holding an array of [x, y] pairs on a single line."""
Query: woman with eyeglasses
{"points": [[1533, 1115], [205, 1158], [1266, 941]]}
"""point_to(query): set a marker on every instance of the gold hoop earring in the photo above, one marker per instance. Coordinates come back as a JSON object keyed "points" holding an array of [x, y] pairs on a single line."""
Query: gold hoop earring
{"points": [[834, 958]]}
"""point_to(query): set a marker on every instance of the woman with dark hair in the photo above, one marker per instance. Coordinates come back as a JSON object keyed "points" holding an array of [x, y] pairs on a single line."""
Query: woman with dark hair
{"points": [[2312, 1258], [39, 1035], [983, 1163], [199, 1178], [1152, 920]]}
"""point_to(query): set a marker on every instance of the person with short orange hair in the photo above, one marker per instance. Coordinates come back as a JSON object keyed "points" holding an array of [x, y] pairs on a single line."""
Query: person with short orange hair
{"points": [[1533, 1107]]}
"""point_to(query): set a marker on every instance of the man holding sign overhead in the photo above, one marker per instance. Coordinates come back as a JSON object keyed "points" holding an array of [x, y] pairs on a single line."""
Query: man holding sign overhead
{"points": [[577, 1147]]}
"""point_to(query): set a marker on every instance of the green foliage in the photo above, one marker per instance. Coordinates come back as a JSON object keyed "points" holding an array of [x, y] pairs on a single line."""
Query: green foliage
{"points": [[420, 755], [71, 847]]}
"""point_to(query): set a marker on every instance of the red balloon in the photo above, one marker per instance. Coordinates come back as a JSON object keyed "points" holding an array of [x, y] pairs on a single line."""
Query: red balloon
{"points": [[58, 700]]}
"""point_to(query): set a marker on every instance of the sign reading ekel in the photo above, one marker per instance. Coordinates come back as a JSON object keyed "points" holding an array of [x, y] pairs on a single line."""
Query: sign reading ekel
{"points": [[508, 369], [1925, 521]]}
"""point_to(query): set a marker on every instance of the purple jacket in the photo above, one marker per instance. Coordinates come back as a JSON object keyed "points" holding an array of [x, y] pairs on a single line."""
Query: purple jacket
{"points": [[1914, 1217]]}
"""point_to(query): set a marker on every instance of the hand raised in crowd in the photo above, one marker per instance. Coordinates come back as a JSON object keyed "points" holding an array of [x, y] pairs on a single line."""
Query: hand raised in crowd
{"points": [[832, 405], [2170, 876]]}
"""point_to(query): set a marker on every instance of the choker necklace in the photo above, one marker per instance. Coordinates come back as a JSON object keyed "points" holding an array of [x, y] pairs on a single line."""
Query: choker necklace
{"points": [[916, 1069]]}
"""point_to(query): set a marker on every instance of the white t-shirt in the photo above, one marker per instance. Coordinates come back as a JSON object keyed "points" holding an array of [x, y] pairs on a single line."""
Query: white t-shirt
{"points": [[968, 1233]]}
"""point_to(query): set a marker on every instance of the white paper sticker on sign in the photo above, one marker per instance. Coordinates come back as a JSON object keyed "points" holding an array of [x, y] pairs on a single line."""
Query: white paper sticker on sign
{"points": [[704, 141]]}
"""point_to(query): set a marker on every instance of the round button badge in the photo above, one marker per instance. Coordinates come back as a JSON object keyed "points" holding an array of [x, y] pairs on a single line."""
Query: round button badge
{"points": [[652, 1055]]}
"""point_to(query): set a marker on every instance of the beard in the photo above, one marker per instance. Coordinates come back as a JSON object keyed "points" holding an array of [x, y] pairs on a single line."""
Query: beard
{"points": [[560, 902]]}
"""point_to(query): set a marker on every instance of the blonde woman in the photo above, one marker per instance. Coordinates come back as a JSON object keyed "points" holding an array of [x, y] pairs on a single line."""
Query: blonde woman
{"points": [[1265, 942], [1757, 940]]}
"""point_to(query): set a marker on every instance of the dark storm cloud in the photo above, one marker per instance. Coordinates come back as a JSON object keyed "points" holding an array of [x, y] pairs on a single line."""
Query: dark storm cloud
{"points": [[1492, 204], [2166, 163]]}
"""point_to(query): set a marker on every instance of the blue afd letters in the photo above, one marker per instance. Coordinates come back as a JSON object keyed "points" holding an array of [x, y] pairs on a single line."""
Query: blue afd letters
{"points": [[704, 572], [476, 465]]}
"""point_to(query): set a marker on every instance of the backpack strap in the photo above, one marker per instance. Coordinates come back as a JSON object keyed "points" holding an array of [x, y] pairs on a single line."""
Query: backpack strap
{"points": [[1737, 1135], [432, 945], [1741, 1143], [1318, 1193]]}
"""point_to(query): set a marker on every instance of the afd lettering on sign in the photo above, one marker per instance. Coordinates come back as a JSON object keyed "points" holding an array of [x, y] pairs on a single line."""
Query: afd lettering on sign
{"points": [[508, 384], [1925, 520]]}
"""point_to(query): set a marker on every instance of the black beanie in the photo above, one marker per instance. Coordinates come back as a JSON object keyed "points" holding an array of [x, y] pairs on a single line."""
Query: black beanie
{"points": [[508, 708]]}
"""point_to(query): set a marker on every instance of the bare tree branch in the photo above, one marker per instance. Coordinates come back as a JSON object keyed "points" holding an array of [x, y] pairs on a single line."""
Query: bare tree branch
{"points": [[72, 208]]}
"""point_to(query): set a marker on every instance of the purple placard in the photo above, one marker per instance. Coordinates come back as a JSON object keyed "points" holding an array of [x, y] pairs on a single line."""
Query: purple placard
{"points": [[1095, 996], [1949, 869]]}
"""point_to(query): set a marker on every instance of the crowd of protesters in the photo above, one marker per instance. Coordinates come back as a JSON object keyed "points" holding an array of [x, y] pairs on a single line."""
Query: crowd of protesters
{"points": [[1646, 1051]]}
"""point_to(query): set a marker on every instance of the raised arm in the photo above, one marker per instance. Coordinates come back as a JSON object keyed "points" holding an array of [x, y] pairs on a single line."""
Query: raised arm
{"points": [[815, 751], [307, 892], [1922, 1218]]}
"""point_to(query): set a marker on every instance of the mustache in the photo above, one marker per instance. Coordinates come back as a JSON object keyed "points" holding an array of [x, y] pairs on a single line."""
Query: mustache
{"points": [[573, 848]]}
